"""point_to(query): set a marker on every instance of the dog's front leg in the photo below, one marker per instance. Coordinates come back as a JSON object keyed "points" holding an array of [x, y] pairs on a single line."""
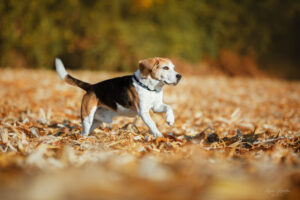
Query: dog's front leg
{"points": [[166, 109], [150, 123]]}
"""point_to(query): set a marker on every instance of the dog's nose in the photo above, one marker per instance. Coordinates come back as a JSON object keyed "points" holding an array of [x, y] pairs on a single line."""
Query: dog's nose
{"points": [[178, 76]]}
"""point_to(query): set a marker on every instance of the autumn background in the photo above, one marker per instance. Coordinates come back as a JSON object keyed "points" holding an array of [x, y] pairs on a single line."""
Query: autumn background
{"points": [[237, 108], [114, 35]]}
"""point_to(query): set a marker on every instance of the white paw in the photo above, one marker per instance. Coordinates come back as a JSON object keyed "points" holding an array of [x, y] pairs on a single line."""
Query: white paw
{"points": [[84, 135], [159, 135], [156, 134], [170, 119]]}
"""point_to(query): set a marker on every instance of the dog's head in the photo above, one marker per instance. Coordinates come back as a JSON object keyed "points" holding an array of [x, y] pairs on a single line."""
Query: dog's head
{"points": [[161, 69]]}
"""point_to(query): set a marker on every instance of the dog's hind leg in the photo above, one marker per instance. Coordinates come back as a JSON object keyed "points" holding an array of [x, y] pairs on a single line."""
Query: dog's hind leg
{"points": [[87, 123], [88, 109], [95, 125]]}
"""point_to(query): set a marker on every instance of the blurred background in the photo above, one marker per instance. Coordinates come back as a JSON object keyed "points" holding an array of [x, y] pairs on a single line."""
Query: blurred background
{"points": [[236, 37]]}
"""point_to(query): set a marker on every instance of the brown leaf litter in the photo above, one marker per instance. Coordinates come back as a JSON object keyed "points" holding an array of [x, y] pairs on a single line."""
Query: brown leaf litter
{"points": [[234, 138]]}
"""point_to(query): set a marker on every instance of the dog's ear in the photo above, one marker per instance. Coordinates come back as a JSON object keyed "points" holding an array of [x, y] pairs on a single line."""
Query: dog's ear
{"points": [[147, 66]]}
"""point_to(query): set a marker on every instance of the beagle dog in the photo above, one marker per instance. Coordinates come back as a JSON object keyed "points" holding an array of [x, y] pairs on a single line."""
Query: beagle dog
{"points": [[130, 95]]}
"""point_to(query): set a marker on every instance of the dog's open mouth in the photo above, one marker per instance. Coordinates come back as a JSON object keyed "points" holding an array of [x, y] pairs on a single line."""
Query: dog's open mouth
{"points": [[170, 83]]}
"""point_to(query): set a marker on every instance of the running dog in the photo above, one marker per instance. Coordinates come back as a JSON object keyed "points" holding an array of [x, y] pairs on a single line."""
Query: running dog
{"points": [[129, 95]]}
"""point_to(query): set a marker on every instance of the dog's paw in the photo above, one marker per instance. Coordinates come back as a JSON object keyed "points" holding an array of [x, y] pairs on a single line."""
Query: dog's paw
{"points": [[156, 134], [170, 119], [84, 136]]}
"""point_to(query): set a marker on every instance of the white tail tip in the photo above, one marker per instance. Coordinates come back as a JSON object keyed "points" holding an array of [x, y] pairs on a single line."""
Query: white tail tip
{"points": [[62, 73]]}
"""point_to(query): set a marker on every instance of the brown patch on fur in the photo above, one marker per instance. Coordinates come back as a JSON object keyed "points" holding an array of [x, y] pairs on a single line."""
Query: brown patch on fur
{"points": [[146, 66], [150, 65], [161, 62], [89, 101], [134, 98]]}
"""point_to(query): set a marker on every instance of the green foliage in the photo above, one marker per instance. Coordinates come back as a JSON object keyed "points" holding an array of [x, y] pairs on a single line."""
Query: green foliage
{"points": [[113, 35]]}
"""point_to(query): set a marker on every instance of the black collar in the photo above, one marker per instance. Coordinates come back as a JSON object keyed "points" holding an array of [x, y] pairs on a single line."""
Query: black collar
{"points": [[143, 85]]}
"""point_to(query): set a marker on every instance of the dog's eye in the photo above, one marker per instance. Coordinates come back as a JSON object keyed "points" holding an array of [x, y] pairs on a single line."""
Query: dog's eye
{"points": [[166, 68]]}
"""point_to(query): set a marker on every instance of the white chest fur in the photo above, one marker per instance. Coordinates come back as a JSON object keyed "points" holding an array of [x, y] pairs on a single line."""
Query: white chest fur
{"points": [[148, 99]]}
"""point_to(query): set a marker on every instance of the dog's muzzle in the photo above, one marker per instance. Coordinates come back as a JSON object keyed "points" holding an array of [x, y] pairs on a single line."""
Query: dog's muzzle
{"points": [[178, 77]]}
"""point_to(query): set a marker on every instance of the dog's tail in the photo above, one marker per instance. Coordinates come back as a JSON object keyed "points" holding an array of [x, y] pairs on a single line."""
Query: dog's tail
{"points": [[63, 74]]}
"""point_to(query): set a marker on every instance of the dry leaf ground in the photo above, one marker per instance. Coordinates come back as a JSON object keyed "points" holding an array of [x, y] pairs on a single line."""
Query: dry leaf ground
{"points": [[234, 138]]}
